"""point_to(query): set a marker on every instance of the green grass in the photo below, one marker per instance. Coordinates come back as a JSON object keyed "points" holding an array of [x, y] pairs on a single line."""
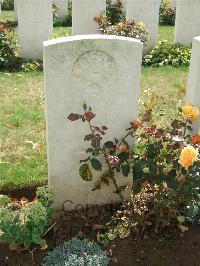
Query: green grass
{"points": [[166, 33], [23, 124], [60, 32], [23, 146]]}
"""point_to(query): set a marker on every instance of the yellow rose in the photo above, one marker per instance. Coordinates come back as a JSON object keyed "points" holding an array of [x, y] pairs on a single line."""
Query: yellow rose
{"points": [[190, 112], [188, 156], [141, 24]]}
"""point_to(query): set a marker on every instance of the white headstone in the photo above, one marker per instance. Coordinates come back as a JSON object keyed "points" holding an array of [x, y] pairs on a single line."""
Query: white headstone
{"points": [[35, 24], [187, 24], [83, 13], [146, 11], [193, 91], [104, 71], [62, 6]]}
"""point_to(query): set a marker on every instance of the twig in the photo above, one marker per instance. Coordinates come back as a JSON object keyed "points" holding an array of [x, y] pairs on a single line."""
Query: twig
{"points": [[49, 229]]}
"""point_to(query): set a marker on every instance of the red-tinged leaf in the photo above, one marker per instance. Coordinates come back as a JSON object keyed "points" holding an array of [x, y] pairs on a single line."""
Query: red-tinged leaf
{"points": [[147, 116], [89, 116], [95, 143], [74, 117]]}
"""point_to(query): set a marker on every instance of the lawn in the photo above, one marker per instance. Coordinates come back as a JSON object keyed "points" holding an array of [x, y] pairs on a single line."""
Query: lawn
{"points": [[23, 145]]}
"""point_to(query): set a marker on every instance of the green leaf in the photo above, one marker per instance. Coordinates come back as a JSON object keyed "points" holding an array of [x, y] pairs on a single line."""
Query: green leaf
{"points": [[109, 145], [110, 236], [89, 150], [96, 164], [85, 106], [123, 156], [126, 169], [85, 172]]}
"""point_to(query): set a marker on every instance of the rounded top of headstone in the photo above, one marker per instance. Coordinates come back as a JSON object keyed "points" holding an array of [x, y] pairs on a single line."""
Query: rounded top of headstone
{"points": [[90, 37]]}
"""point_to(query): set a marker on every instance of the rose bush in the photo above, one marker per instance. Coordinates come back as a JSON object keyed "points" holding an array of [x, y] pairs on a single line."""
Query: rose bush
{"points": [[164, 163], [114, 23]]}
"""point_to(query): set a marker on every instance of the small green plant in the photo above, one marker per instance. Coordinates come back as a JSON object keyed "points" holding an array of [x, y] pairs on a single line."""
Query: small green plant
{"points": [[31, 65], [77, 252], [23, 224], [167, 13], [165, 53]]}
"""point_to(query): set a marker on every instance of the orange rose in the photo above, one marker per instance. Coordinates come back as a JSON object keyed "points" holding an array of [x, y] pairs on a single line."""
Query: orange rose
{"points": [[190, 112], [196, 139], [188, 156], [136, 123]]}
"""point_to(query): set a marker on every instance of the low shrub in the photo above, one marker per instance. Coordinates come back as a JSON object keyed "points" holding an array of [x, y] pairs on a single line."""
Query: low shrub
{"points": [[115, 11], [164, 164], [77, 252], [24, 223], [124, 28], [167, 13], [9, 53], [9, 58], [114, 23], [62, 22], [165, 53], [69, 15], [7, 5]]}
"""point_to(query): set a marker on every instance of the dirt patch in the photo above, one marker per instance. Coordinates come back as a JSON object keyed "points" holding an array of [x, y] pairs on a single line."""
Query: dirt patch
{"points": [[18, 193], [169, 249]]}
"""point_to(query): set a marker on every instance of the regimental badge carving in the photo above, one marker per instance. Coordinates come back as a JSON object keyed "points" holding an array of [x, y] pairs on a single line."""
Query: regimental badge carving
{"points": [[95, 70]]}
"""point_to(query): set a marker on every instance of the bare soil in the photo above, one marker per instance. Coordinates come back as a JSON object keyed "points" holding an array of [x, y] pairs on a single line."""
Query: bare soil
{"points": [[169, 249]]}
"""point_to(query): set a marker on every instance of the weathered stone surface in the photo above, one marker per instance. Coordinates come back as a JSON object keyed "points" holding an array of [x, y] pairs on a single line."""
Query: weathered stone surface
{"points": [[104, 71], [187, 24], [193, 91], [83, 13], [146, 11], [62, 6], [35, 24]]}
